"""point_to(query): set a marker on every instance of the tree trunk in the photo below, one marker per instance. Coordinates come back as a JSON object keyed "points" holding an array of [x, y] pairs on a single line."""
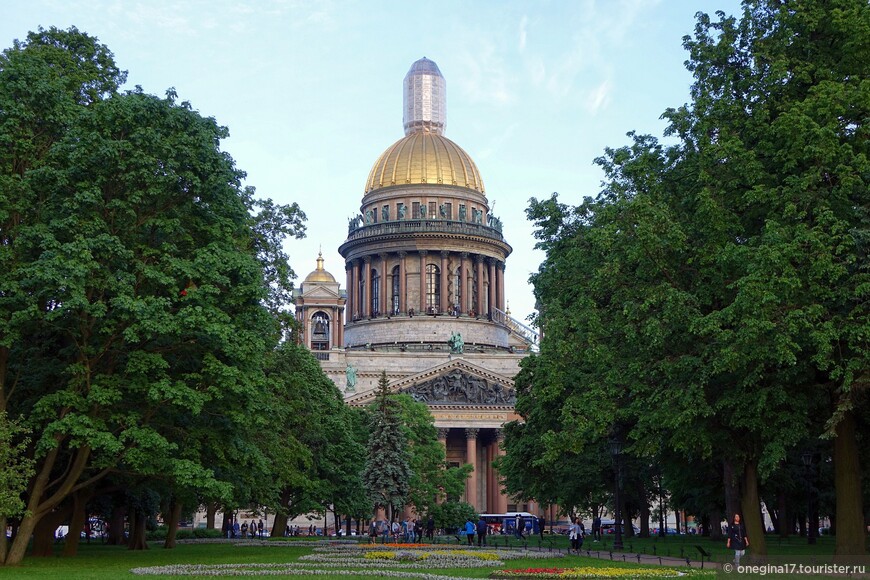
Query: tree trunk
{"points": [[802, 526], [782, 514], [22, 539], [115, 533], [279, 525], [76, 523], [210, 510], [752, 509], [847, 482], [172, 524], [137, 531], [644, 518], [715, 525], [43, 535], [4, 547], [732, 490], [677, 520]]}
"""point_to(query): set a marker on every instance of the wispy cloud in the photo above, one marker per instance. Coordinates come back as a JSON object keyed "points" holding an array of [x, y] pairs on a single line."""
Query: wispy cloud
{"points": [[524, 24]]}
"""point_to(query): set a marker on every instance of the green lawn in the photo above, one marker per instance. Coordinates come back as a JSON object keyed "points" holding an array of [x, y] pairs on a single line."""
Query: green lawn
{"points": [[96, 561]]}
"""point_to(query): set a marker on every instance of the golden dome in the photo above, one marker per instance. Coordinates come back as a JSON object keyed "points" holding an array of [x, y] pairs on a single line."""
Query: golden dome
{"points": [[424, 157], [319, 275]]}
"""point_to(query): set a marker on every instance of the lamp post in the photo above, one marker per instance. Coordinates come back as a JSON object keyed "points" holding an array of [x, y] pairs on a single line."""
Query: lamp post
{"points": [[811, 525], [615, 452]]}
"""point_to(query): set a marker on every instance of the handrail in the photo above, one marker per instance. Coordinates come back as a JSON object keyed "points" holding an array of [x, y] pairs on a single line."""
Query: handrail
{"points": [[530, 336], [417, 226]]}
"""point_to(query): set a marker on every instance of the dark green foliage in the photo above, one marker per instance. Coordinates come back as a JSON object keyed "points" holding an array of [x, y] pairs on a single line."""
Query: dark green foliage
{"points": [[711, 301], [387, 473]]}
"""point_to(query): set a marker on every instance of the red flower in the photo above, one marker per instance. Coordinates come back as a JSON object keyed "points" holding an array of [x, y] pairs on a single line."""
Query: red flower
{"points": [[183, 292]]}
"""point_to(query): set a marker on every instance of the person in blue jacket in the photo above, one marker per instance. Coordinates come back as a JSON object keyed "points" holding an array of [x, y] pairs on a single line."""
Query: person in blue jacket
{"points": [[481, 532], [469, 531]]}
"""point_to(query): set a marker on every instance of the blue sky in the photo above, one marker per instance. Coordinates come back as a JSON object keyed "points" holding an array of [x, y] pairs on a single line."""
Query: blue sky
{"points": [[312, 90]]}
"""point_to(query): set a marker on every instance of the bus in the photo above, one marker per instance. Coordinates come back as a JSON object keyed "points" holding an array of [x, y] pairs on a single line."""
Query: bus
{"points": [[504, 523]]}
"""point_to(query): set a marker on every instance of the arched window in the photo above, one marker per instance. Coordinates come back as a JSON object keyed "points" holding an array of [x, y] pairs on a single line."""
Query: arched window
{"points": [[396, 289], [320, 331], [433, 288], [376, 293]]}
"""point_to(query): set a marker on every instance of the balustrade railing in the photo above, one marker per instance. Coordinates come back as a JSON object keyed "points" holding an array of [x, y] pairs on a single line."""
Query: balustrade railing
{"points": [[529, 335]]}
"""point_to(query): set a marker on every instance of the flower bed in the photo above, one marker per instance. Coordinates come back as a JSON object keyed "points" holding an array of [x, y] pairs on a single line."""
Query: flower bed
{"points": [[600, 573]]}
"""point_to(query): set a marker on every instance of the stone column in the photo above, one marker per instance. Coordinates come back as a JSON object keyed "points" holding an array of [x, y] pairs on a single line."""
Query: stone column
{"points": [[340, 342], [443, 306], [384, 280], [442, 436], [478, 260], [354, 290], [367, 287], [491, 304], [491, 483], [348, 268], [423, 281], [463, 283], [499, 276], [500, 495], [471, 457], [306, 330], [402, 298]]}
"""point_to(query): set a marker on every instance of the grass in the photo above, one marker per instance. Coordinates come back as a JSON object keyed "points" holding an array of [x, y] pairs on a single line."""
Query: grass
{"points": [[96, 561]]}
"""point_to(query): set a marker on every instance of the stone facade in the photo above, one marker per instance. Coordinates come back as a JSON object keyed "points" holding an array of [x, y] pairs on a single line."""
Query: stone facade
{"points": [[424, 266]]}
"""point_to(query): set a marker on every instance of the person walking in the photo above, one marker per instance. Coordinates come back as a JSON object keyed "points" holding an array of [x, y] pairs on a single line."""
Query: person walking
{"points": [[430, 528], [573, 534], [373, 532], [596, 529], [518, 527], [542, 523], [482, 532], [469, 531], [737, 539]]}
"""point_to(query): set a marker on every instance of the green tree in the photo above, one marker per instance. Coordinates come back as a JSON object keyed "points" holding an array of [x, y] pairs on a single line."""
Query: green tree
{"points": [[133, 291], [387, 473], [15, 471], [712, 295], [432, 479]]}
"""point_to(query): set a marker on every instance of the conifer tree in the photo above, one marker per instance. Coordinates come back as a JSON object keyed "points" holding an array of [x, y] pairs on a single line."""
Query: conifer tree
{"points": [[387, 471]]}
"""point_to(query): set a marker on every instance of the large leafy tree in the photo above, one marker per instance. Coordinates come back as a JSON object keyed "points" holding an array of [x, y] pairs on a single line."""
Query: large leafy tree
{"points": [[133, 290], [713, 294], [387, 473]]}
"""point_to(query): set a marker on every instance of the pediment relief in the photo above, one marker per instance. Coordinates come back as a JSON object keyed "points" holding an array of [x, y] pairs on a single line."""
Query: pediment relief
{"points": [[461, 388], [319, 292]]}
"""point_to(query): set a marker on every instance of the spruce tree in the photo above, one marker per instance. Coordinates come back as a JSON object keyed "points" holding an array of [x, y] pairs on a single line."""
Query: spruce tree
{"points": [[387, 471]]}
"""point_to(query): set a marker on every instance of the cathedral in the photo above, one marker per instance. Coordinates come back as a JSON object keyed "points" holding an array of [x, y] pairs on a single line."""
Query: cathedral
{"points": [[424, 294]]}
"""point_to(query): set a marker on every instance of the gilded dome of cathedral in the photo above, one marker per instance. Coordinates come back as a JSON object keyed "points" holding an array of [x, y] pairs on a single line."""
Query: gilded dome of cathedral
{"points": [[424, 157], [319, 275]]}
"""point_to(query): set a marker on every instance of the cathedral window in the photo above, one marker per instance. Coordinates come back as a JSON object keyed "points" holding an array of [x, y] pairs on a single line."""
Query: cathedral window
{"points": [[433, 288], [396, 287], [320, 331], [376, 293]]}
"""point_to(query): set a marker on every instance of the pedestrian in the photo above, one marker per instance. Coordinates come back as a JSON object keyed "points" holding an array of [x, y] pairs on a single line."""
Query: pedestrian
{"points": [[596, 529], [573, 534], [518, 527], [541, 525], [418, 531], [405, 530], [395, 530], [236, 529], [737, 539], [482, 532], [582, 529], [430, 528], [373, 532], [469, 531], [245, 530]]}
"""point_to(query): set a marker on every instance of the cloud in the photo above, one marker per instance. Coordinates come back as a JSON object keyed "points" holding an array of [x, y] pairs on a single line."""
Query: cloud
{"points": [[599, 97], [524, 24]]}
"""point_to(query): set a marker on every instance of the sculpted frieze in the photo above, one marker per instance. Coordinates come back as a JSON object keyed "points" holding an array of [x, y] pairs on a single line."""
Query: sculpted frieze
{"points": [[458, 388]]}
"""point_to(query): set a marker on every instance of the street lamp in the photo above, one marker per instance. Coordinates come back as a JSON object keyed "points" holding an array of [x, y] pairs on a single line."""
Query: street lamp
{"points": [[615, 452], [810, 472]]}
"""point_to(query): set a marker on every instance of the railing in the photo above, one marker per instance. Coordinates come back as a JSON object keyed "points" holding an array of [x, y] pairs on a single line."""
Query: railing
{"points": [[530, 336], [319, 355], [419, 226]]}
